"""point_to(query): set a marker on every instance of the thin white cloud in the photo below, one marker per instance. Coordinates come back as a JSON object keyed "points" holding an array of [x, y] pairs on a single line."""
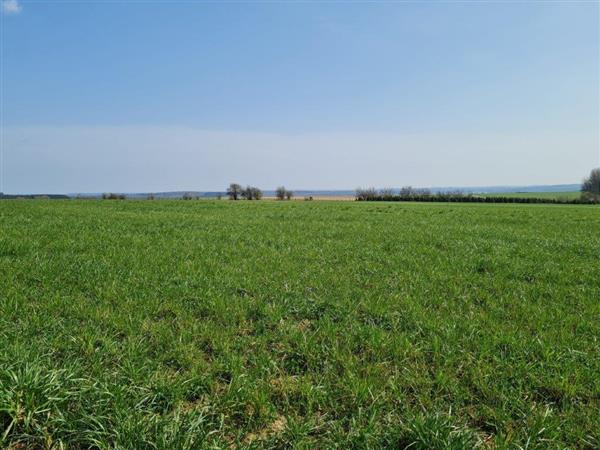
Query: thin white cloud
{"points": [[11, 7]]}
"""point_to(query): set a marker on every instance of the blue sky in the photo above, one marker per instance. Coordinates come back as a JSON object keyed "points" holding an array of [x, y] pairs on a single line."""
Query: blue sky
{"points": [[147, 96]]}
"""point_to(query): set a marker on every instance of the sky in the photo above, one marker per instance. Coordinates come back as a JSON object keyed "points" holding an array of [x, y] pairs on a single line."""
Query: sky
{"points": [[142, 96]]}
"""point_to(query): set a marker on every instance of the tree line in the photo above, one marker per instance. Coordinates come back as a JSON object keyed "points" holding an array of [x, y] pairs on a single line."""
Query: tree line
{"points": [[590, 194], [236, 192], [590, 189]]}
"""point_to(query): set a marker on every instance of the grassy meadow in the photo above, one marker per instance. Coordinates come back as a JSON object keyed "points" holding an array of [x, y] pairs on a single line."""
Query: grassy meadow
{"points": [[218, 324]]}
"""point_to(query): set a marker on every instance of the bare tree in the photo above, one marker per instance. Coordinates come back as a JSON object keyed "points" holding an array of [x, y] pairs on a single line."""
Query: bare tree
{"points": [[113, 196], [247, 193], [590, 189], [234, 191], [387, 193], [425, 192], [407, 191], [280, 193], [252, 193], [257, 194], [366, 194]]}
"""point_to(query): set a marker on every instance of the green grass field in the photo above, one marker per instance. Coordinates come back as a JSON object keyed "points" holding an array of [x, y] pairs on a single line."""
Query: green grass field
{"points": [[206, 324]]}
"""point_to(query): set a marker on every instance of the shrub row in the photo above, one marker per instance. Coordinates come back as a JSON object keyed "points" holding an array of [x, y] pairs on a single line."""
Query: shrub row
{"points": [[113, 196], [414, 195]]}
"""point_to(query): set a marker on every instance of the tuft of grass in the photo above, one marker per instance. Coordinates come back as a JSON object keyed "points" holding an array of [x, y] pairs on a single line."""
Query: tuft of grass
{"points": [[436, 432]]}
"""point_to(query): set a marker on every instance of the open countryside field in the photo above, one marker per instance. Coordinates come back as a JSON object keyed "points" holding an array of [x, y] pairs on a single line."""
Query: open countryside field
{"points": [[214, 324]]}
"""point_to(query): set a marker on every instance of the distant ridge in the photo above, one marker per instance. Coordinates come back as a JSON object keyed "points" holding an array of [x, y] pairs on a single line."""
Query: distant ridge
{"points": [[346, 193]]}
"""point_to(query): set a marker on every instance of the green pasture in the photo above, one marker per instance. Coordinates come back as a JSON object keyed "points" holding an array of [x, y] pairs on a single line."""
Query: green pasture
{"points": [[350, 325]]}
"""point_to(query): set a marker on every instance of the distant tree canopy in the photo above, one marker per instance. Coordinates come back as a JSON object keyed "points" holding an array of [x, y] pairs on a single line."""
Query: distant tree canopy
{"points": [[252, 193], [410, 194], [280, 193], [234, 191], [283, 194], [591, 185], [113, 196], [409, 191], [366, 194]]}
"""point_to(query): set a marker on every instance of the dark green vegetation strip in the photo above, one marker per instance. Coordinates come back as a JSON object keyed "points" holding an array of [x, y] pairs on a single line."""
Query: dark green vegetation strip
{"points": [[479, 198], [178, 325], [552, 195]]}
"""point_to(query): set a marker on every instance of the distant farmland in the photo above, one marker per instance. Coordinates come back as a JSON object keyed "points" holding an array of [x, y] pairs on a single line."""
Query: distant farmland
{"points": [[218, 324]]}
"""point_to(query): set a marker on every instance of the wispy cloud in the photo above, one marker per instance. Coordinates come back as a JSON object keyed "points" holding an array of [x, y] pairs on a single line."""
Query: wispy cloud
{"points": [[11, 7]]}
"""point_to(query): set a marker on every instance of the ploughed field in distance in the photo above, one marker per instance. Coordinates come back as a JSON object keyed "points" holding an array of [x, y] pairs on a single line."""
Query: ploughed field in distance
{"points": [[218, 324]]}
